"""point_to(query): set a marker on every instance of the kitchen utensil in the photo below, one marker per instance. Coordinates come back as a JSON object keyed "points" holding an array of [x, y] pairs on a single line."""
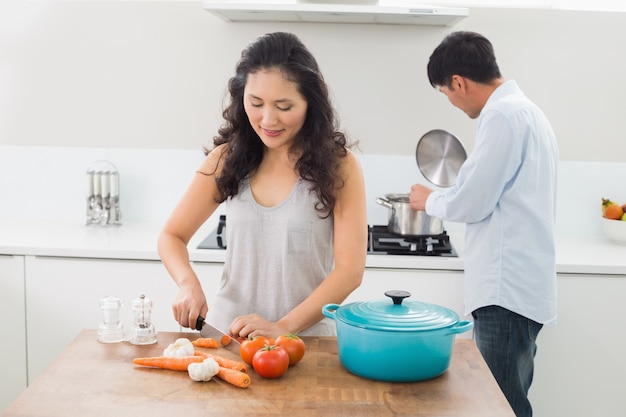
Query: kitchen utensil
{"points": [[106, 197], [206, 330], [96, 208], [395, 339], [115, 214], [103, 202], [439, 156], [142, 332], [405, 221], [111, 330]]}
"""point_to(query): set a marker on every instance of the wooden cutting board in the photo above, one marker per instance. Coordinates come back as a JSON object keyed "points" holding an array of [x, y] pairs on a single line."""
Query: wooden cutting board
{"points": [[92, 379]]}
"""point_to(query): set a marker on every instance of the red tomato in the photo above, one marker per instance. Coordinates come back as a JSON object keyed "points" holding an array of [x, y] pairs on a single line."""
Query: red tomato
{"points": [[249, 347], [294, 346], [271, 361]]}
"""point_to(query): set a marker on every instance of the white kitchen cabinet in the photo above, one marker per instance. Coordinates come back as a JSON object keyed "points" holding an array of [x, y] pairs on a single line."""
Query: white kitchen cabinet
{"points": [[210, 275], [12, 328], [580, 367], [440, 287], [62, 297]]}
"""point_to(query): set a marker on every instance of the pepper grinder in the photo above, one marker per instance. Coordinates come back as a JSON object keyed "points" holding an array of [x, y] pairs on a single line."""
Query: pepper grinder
{"points": [[111, 330], [143, 332]]}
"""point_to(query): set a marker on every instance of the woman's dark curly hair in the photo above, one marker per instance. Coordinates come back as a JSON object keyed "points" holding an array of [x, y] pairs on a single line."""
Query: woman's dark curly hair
{"points": [[320, 145]]}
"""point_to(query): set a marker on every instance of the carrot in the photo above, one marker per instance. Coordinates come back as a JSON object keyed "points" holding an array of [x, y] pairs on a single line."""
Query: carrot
{"points": [[207, 342], [238, 379], [225, 340], [224, 362], [172, 363]]}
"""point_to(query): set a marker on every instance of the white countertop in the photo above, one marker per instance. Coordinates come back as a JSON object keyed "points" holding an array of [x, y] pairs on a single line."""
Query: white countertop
{"points": [[576, 255]]}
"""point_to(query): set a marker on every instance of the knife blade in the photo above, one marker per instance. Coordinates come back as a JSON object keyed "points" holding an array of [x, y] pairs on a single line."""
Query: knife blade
{"points": [[206, 330]]}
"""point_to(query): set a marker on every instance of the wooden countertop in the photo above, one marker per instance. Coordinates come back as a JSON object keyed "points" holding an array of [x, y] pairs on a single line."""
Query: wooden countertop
{"points": [[95, 379]]}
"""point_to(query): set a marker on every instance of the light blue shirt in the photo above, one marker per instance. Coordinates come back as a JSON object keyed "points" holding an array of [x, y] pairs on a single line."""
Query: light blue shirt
{"points": [[506, 195]]}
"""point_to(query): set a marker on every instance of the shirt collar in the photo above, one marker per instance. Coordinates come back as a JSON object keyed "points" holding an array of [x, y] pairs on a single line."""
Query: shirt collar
{"points": [[505, 89]]}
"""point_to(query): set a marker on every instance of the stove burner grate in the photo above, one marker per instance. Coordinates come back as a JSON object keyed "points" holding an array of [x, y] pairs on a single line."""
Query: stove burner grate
{"points": [[381, 241]]}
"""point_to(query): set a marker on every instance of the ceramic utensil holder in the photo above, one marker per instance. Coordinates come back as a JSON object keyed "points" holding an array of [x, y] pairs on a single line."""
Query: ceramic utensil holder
{"points": [[103, 194]]}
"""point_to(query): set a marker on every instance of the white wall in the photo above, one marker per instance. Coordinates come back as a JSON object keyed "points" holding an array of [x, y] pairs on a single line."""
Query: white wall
{"points": [[144, 74], [141, 83], [38, 182]]}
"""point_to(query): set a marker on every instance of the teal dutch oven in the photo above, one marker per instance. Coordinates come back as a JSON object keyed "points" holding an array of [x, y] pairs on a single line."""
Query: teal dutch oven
{"points": [[395, 339]]}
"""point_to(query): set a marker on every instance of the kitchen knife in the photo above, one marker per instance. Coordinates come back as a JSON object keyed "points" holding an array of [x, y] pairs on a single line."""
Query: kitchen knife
{"points": [[206, 330]]}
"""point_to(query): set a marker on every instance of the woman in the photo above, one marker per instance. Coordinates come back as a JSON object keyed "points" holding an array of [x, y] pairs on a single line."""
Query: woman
{"points": [[295, 202]]}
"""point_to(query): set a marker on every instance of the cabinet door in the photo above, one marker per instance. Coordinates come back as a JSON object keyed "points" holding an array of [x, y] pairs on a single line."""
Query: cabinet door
{"points": [[62, 298], [209, 275], [12, 328], [580, 369]]}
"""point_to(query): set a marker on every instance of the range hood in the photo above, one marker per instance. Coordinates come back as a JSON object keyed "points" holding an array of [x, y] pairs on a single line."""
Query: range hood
{"points": [[235, 11]]}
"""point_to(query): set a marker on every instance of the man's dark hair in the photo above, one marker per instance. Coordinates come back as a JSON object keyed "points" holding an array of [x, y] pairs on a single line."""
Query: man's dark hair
{"points": [[467, 54]]}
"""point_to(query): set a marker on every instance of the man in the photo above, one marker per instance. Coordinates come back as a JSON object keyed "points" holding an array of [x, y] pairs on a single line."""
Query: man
{"points": [[505, 194]]}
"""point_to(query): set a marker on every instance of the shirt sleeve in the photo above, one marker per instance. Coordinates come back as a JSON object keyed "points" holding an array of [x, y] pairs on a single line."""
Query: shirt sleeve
{"points": [[483, 176]]}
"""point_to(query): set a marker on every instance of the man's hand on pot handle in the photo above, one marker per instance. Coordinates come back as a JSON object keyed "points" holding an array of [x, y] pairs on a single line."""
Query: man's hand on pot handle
{"points": [[418, 196]]}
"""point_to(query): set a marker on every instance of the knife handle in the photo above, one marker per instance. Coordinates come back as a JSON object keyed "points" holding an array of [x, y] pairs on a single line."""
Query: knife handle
{"points": [[199, 323]]}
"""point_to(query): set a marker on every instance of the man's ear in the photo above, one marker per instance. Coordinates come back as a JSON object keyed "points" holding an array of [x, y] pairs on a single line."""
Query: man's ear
{"points": [[458, 82]]}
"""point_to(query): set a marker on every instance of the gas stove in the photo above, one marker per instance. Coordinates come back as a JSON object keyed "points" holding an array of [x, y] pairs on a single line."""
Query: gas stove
{"points": [[379, 242], [383, 242], [217, 238]]}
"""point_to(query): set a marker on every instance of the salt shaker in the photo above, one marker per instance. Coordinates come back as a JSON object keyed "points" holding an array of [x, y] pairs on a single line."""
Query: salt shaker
{"points": [[143, 331], [111, 330]]}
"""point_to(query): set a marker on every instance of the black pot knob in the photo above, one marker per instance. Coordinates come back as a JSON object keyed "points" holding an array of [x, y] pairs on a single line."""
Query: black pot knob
{"points": [[397, 295]]}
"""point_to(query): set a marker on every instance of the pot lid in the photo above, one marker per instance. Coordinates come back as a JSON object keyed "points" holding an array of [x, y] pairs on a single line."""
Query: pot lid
{"points": [[396, 314], [439, 156]]}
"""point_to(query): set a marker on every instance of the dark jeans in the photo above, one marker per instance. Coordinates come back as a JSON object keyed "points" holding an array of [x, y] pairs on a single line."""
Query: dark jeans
{"points": [[507, 342]]}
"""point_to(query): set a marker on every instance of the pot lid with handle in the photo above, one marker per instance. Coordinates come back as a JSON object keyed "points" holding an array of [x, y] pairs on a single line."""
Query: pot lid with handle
{"points": [[439, 156], [397, 314]]}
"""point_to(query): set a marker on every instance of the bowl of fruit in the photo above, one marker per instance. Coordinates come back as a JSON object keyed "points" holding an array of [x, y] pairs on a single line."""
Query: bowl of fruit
{"points": [[614, 221]]}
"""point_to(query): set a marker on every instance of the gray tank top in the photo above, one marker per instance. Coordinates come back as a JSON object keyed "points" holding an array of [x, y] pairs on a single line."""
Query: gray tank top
{"points": [[275, 257]]}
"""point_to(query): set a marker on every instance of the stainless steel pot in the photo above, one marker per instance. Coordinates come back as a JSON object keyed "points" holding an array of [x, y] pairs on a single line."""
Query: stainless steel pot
{"points": [[395, 341], [405, 221]]}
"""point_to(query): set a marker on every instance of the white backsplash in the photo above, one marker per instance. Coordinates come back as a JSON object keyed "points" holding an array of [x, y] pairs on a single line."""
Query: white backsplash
{"points": [[49, 183]]}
